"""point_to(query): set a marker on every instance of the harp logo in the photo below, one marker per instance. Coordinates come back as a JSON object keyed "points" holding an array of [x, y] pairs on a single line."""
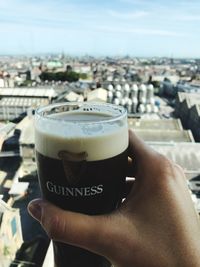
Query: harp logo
{"points": [[74, 165]]}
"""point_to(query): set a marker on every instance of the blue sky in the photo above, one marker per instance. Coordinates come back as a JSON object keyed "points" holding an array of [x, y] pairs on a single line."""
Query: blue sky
{"points": [[106, 27]]}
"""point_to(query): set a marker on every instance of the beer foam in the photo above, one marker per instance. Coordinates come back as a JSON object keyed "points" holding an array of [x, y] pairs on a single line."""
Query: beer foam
{"points": [[78, 132]]}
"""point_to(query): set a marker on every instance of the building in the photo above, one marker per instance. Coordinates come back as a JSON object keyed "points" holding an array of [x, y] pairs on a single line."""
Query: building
{"points": [[10, 235], [13, 107], [184, 103], [73, 97], [15, 101], [194, 121], [26, 139], [151, 124], [5, 129], [160, 130], [180, 97], [187, 109], [138, 99], [48, 93], [187, 155], [188, 87], [165, 136], [22, 238], [168, 138], [1, 83], [99, 94]]}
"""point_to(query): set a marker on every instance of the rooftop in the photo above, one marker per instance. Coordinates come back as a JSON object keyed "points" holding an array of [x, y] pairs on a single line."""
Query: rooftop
{"points": [[187, 155], [34, 92], [8, 168], [191, 97], [197, 107], [171, 124], [165, 135], [192, 101], [22, 102], [27, 131], [6, 128]]}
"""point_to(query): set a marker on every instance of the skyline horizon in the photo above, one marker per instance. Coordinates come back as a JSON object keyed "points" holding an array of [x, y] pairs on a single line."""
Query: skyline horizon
{"points": [[59, 53]]}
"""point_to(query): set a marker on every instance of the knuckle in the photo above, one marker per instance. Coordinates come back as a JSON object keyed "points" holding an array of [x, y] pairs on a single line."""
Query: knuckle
{"points": [[164, 163], [171, 171], [161, 164], [51, 226], [179, 169], [166, 169]]}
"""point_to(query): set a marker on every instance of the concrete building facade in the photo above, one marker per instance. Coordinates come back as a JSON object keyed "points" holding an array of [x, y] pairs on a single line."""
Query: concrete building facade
{"points": [[187, 109]]}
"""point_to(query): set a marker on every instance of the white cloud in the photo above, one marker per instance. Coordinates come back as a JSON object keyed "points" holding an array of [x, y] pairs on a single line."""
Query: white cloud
{"points": [[79, 26], [128, 15], [190, 4], [134, 1], [140, 31], [45, 14], [188, 17]]}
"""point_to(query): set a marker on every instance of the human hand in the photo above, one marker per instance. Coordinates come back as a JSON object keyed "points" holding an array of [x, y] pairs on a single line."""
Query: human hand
{"points": [[156, 225]]}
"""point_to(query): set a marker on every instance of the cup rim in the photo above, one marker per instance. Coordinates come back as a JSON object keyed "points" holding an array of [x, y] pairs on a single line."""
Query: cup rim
{"points": [[122, 112]]}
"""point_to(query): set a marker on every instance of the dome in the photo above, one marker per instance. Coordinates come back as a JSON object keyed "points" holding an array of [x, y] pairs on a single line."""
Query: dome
{"points": [[118, 94], [142, 87], [118, 87], [150, 87], [110, 87], [134, 87], [116, 101], [126, 87]]}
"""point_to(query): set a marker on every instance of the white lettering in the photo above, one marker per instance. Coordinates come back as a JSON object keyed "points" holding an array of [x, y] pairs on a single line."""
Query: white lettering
{"points": [[50, 186], [74, 191], [87, 191], [93, 190], [69, 191], [78, 191], [99, 189]]}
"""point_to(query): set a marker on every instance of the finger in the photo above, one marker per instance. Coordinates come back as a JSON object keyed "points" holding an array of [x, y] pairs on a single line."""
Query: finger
{"points": [[138, 150], [77, 229]]}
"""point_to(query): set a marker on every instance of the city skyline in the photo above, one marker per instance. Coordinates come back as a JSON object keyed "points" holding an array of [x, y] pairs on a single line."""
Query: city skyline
{"points": [[118, 27]]}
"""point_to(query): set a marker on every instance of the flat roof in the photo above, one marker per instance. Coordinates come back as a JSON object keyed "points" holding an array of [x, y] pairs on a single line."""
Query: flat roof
{"points": [[143, 124], [187, 155], [5, 128], [26, 91], [27, 130], [197, 108], [9, 166], [19, 188], [192, 101], [164, 135], [189, 97], [22, 101]]}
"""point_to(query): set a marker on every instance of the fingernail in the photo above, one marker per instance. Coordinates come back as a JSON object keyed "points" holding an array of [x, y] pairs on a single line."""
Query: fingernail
{"points": [[35, 209]]}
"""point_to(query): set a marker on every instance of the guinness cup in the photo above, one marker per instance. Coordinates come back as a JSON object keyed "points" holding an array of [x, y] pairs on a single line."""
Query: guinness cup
{"points": [[81, 151]]}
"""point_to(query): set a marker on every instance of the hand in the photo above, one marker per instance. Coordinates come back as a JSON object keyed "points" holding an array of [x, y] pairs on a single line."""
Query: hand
{"points": [[156, 226]]}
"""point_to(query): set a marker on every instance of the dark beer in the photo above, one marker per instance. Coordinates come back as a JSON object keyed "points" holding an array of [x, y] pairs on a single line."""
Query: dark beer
{"points": [[82, 160]]}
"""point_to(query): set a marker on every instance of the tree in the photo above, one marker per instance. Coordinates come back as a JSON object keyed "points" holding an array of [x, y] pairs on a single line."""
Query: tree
{"points": [[70, 76], [156, 84], [167, 80]]}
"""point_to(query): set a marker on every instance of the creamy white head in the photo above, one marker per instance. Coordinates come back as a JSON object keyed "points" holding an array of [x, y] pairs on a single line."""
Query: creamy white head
{"points": [[101, 132]]}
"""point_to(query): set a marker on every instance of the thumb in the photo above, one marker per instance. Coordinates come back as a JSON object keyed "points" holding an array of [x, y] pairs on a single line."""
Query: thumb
{"points": [[88, 232]]}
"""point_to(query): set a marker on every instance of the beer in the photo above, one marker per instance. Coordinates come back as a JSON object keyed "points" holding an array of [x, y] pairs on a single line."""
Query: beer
{"points": [[81, 156]]}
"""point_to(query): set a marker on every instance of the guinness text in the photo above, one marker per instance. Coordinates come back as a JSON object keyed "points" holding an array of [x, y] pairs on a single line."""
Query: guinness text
{"points": [[74, 191]]}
